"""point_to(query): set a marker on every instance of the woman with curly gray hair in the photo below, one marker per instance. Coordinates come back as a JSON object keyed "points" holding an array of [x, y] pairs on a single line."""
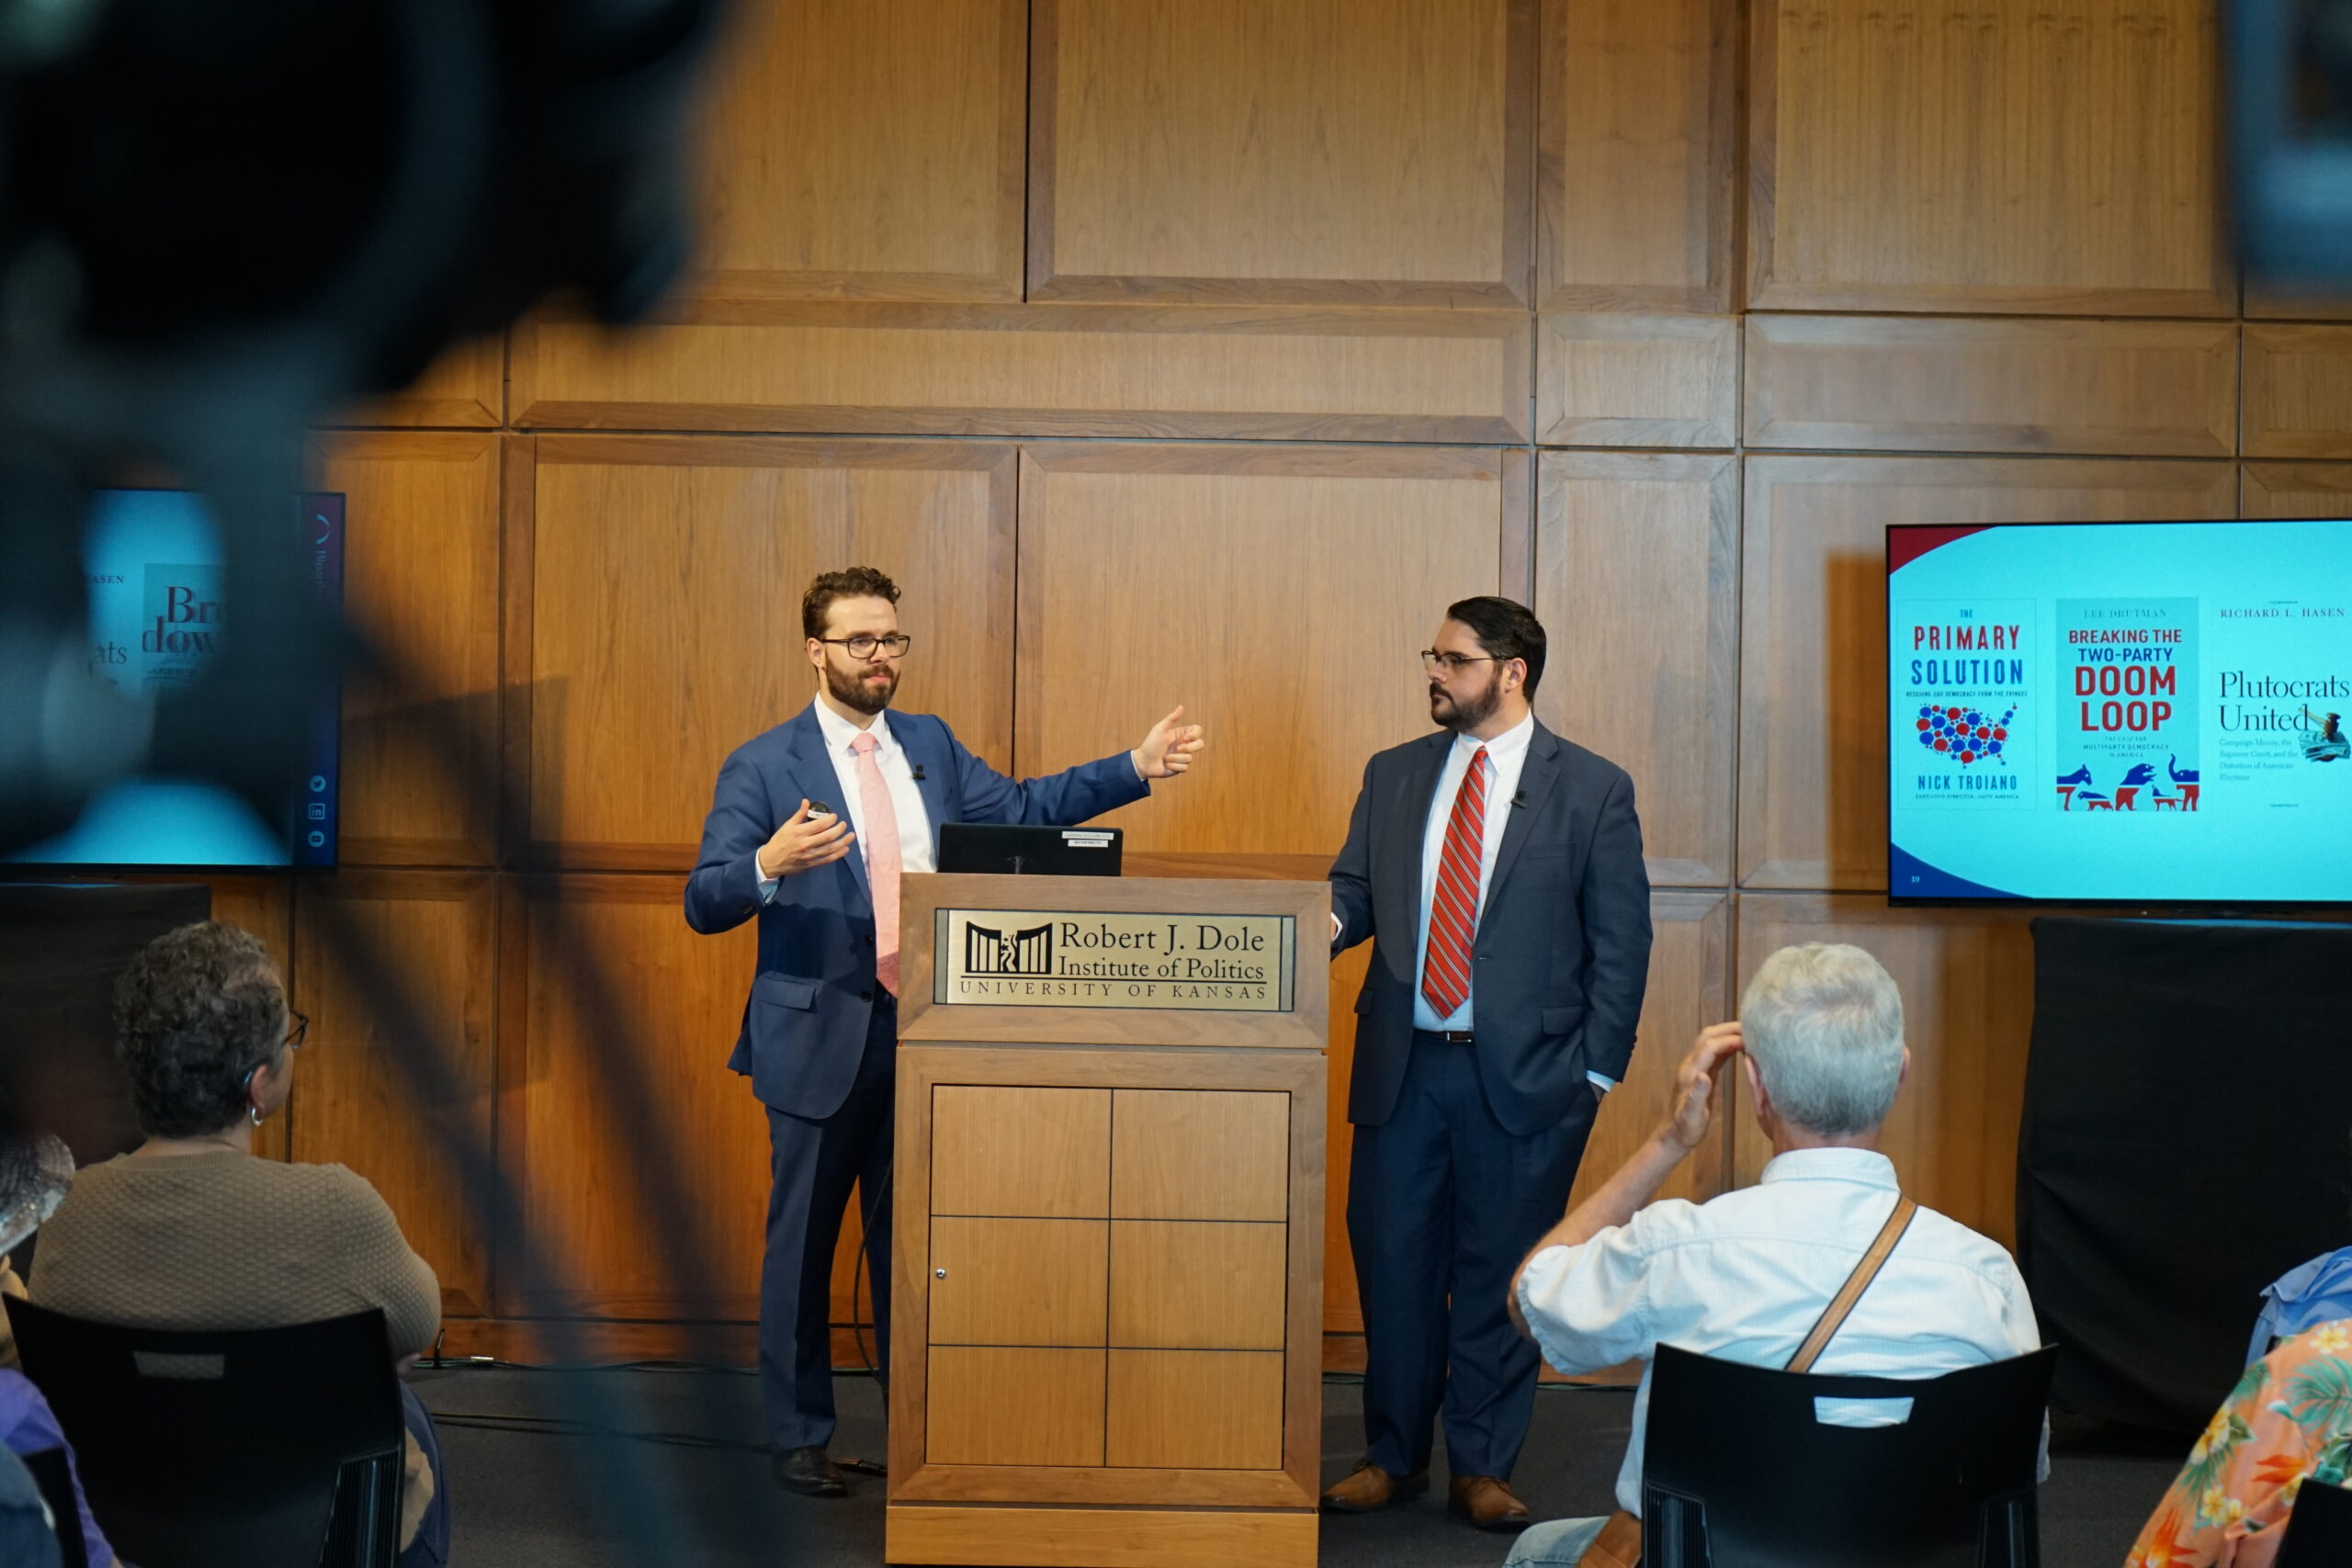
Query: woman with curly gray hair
{"points": [[190, 1230]]}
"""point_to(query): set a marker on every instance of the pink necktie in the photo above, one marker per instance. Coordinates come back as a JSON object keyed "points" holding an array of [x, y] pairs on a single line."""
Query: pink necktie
{"points": [[882, 863]]}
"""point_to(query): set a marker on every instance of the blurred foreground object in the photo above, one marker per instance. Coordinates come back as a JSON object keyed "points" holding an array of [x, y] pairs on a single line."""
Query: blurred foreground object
{"points": [[2290, 127], [219, 220]]}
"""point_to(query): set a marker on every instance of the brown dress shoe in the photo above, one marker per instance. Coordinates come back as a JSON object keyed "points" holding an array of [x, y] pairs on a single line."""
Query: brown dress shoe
{"points": [[1488, 1504], [1368, 1488]]}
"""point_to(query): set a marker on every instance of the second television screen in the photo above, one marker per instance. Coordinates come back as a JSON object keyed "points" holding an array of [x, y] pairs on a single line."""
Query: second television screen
{"points": [[2142, 711]]}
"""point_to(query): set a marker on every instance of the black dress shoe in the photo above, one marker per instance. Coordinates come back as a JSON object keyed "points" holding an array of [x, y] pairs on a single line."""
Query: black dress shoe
{"points": [[809, 1472]]}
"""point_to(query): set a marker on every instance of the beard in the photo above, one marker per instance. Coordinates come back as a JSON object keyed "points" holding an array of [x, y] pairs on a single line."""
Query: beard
{"points": [[861, 689], [1467, 713]]}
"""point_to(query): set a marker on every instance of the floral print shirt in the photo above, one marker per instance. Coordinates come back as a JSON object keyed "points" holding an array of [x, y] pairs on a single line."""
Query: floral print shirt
{"points": [[2288, 1418]]}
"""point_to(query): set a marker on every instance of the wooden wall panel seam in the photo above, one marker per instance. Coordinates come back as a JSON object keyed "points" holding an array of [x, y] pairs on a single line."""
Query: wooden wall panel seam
{"points": [[1636, 382], [2107, 101], [844, 185], [2295, 489], [1710, 231], [2297, 390], [1512, 288], [517, 515], [1991, 385], [422, 583], [1086, 370], [1625, 642]]}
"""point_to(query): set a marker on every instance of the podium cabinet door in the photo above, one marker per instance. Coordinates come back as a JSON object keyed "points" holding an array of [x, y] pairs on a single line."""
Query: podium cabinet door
{"points": [[1200, 1193], [1017, 1275], [1106, 1278]]}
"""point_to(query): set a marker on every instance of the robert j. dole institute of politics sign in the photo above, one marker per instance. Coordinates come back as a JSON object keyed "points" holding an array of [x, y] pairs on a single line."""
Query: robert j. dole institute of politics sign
{"points": [[1092, 959]]}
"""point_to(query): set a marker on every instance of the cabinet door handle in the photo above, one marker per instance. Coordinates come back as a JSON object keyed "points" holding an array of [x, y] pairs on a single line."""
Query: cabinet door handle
{"points": [[939, 1273]]}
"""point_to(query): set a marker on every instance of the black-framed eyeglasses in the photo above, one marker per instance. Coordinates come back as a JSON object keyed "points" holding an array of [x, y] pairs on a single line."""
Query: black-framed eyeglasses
{"points": [[1432, 661], [864, 647], [301, 1027]]}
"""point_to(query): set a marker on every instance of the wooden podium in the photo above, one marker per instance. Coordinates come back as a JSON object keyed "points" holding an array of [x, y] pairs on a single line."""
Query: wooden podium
{"points": [[1108, 1286]]}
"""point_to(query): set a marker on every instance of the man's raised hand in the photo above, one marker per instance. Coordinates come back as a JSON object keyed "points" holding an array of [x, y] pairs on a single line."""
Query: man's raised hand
{"points": [[806, 841], [1170, 747], [1698, 1086]]}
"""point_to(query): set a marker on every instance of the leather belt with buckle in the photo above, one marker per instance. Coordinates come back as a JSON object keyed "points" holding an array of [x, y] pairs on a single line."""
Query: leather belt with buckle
{"points": [[1455, 1037]]}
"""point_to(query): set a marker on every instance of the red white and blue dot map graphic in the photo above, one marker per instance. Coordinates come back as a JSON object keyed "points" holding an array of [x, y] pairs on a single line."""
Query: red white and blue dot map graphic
{"points": [[1967, 736]]}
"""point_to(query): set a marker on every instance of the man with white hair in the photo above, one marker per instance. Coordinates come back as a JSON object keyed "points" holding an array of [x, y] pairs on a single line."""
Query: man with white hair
{"points": [[1744, 1276]]}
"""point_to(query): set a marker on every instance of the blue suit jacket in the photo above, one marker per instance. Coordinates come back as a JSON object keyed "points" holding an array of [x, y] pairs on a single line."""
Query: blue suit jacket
{"points": [[804, 1025], [1562, 953]]}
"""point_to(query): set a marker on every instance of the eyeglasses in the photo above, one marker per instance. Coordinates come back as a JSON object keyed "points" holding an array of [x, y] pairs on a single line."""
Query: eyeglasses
{"points": [[1432, 661], [293, 1041], [866, 648]]}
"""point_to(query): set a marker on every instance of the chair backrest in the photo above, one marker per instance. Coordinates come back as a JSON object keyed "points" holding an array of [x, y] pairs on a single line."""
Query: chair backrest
{"points": [[1739, 1471], [2319, 1531], [55, 1477], [270, 1447]]}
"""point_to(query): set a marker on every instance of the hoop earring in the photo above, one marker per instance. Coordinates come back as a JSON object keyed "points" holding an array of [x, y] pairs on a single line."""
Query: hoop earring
{"points": [[253, 1112], [246, 1089]]}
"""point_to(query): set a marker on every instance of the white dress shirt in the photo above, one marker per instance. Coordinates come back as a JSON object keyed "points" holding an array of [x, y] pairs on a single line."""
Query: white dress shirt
{"points": [[1745, 1277], [916, 852]]}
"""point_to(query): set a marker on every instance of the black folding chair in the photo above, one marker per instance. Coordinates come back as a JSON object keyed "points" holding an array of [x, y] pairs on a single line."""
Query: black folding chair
{"points": [[55, 1477], [269, 1448], [2319, 1531], [1740, 1472]]}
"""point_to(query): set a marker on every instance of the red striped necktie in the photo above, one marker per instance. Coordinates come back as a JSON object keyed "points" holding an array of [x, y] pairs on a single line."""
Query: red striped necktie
{"points": [[1453, 911]]}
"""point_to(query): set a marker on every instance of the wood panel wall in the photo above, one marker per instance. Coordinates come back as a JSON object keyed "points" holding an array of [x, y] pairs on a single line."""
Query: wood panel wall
{"points": [[1202, 352]]}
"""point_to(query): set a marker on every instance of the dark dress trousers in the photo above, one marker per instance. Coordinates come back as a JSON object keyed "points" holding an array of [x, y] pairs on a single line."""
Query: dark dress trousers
{"points": [[1464, 1153], [820, 1036]]}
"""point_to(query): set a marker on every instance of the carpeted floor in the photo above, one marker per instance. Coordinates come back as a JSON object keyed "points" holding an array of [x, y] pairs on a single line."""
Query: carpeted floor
{"points": [[521, 1500]]}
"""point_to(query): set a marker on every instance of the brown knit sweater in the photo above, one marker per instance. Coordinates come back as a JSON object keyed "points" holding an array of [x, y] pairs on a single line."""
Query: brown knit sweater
{"points": [[229, 1241]]}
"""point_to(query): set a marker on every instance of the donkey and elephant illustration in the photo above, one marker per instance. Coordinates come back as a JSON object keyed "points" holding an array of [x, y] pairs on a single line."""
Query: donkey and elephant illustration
{"points": [[2078, 786]]}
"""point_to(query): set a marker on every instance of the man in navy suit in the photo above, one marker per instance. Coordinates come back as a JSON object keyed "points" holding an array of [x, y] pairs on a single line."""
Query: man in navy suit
{"points": [[1497, 870], [820, 1033]]}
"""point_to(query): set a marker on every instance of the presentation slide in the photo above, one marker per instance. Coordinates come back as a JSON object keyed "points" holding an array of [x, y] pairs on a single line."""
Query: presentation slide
{"points": [[152, 558], [2146, 711]]}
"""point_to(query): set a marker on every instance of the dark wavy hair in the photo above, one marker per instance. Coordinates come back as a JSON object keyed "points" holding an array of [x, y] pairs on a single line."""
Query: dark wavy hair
{"points": [[198, 1010], [857, 582], [1507, 630]]}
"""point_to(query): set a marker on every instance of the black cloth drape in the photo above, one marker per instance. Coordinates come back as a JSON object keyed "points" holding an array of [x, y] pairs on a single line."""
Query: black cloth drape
{"points": [[2187, 1139], [61, 948]]}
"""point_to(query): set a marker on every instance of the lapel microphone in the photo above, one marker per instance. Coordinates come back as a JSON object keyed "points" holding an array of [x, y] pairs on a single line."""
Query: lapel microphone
{"points": [[918, 772], [1519, 799]]}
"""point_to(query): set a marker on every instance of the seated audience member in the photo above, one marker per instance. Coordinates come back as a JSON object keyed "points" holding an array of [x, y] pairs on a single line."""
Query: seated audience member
{"points": [[191, 1231], [33, 1179], [2286, 1424], [1744, 1276], [2303, 1297]]}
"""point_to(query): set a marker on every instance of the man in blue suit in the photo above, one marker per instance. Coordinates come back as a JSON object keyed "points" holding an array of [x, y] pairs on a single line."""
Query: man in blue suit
{"points": [[810, 828], [1497, 871]]}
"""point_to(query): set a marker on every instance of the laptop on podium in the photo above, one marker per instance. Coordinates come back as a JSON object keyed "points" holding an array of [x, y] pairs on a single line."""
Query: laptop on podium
{"points": [[1016, 849]]}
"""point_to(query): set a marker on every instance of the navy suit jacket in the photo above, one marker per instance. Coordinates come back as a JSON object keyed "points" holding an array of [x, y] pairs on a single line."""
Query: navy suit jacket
{"points": [[804, 1025], [1561, 956]]}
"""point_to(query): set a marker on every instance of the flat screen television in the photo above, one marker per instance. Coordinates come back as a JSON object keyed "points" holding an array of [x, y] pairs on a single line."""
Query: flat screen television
{"points": [[2144, 713], [152, 562]]}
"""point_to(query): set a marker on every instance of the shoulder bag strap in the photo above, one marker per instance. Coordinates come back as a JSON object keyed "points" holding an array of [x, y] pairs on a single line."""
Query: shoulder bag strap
{"points": [[1834, 1315]]}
